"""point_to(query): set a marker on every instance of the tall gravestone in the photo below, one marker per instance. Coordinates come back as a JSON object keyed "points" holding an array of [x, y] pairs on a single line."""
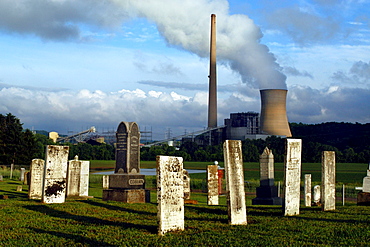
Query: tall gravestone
{"points": [[307, 190], [127, 184], [78, 178], [292, 177], [328, 181], [55, 174], [267, 192], [36, 179], [212, 184], [233, 160], [170, 194]]}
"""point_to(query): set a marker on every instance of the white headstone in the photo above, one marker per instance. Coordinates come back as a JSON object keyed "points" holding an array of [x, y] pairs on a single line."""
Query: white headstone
{"points": [[78, 177], [55, 178], [366, 182], [212, 184], [328, 180], [21, 177], [316, 194], [307, 190], [37, 179], [105, 182], [235, 182], [84, 178], [292, 177], [170, 194]]}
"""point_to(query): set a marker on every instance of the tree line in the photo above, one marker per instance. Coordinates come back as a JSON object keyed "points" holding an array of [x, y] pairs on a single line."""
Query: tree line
{"points": [[351, 142]]}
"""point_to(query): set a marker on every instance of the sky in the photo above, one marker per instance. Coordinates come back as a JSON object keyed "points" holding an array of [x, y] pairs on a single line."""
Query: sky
{"points": [[67, 65]]}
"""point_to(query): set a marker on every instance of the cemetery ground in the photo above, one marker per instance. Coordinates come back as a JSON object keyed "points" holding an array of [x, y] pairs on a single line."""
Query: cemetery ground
{"points": [[95, 222]]}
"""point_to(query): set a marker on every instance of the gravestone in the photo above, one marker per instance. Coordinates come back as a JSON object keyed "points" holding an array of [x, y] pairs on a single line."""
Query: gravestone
{"points": [[328, 181], [19, 188], [186, 178], [170, 194], [127, 184], [317, 195], [307, 190], [233, 160], [26, 178], [36, 179], [78, 178], [1, 178], [363, 198], [292, 177], [267, 192], [55, 174], [212, 184], [21, 176], [105, 182]]}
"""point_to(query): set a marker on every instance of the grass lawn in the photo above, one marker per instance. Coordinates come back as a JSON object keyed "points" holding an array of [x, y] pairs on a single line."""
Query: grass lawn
{"points": [[95, 222]]}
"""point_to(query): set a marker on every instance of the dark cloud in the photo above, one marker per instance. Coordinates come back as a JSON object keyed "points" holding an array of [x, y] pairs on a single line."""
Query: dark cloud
{"points": [[302, 26], [57, 20], [338, 104], [359, 73], [295, 72]]}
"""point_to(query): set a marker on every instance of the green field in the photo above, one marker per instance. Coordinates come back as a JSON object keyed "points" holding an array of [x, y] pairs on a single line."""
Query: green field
{"points": [[95, 222]]}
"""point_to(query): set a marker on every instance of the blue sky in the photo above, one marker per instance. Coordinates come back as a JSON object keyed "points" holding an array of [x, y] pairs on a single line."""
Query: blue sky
{"points": [[69, 65]]}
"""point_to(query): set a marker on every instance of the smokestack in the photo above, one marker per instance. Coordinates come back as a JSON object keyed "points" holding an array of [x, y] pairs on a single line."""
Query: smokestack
{"points": [[212, 97], [274, 120]]}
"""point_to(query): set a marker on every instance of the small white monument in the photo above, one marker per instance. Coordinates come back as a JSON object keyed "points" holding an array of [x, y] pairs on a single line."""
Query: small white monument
{"points": [[307, 190], [36, 179]]}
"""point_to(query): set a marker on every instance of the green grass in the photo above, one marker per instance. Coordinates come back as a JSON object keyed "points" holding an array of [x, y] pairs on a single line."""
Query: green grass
{"points": [[95, 222]]}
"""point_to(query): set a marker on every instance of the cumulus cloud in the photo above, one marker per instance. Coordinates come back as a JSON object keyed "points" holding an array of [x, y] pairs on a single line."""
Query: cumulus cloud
{"points": [[186, 27]]}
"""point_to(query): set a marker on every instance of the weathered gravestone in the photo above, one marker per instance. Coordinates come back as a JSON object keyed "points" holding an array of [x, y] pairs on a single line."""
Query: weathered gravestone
{"points": [[170, 194], [186, 178], [267, 192], [105, 182], [307, 190], [127, 184], [36, 179], [328, 181], [212, 184], [78, 178], [292, 177], [21, 176], [233, 160], [363, 198], [316, 195], [55, 174], [26, 178]]}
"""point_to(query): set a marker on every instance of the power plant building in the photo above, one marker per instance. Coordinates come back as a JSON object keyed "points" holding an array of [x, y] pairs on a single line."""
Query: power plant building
{"points": [[241, 126]]}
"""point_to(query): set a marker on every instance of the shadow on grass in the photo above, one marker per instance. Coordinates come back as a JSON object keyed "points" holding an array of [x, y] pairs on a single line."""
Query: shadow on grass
{"points": [[17, 194], [75, 238], [117, 208], [213, 213], [87, 219]]}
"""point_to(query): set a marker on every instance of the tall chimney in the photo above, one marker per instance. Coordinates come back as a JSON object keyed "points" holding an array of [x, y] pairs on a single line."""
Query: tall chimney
{"points": [[212, 97], [274, 120]]}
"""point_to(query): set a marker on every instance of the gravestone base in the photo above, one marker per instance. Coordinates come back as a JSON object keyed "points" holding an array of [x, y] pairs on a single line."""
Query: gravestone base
{"points": [[127, 195], [126, 181], [267, 195], [79, 197], [363, 199]]}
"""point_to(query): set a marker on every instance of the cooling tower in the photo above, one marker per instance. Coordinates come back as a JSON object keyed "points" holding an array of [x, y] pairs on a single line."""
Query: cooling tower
{"points": [[274, 120]]}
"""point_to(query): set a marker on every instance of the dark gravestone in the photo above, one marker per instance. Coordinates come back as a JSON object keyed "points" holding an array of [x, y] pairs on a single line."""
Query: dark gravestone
{"points": [[267, 193], [127, 184]]}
